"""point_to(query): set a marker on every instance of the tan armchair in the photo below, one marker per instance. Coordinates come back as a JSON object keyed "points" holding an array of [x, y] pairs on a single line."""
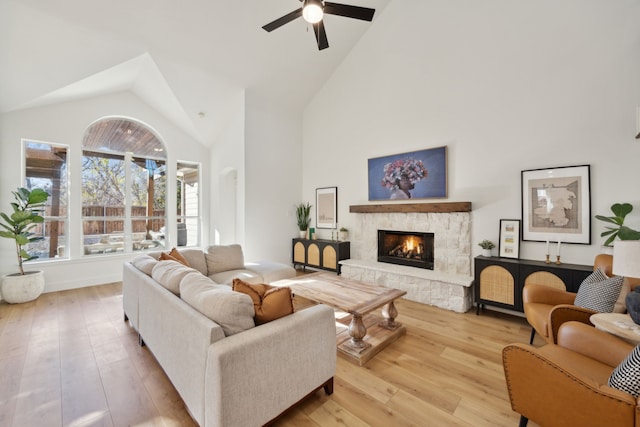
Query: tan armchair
{"points": [[547, 308], [566, 384]]}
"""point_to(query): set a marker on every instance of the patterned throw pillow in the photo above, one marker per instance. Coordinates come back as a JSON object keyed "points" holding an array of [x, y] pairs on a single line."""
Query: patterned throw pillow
{"points": [[626, 377], [599, 292]]}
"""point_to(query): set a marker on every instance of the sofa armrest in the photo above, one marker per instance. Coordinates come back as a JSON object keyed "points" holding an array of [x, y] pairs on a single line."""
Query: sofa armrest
{"points": [[593, 343], [255, 375], [543, 294], [563, 313], [546, 393]]}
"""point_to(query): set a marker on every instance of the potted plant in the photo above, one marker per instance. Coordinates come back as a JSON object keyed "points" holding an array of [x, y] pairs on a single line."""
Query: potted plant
{"points": [[303, 218], [18, 226], [486, 246], [621, 231], [344, 234]]}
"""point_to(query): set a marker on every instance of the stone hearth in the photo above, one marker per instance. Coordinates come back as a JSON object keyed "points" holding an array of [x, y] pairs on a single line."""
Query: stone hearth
{"points": [[448, 285]]}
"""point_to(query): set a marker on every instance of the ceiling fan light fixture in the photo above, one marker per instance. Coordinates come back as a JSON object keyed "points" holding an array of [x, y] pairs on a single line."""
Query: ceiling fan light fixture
{"points": [[312, 11]]}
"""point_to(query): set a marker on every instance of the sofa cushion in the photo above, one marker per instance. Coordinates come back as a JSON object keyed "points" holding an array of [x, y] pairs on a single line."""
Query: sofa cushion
{"points": [[170, 273], [233, 311], [599, 292], [271, 271], [222, 258], [196, 259], [626, 376], [269, 302], [144, 263], [226, 277]]}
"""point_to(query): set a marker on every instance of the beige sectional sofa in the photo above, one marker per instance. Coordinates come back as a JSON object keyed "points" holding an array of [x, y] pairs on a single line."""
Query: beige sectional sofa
{"points": [[228, 371]]}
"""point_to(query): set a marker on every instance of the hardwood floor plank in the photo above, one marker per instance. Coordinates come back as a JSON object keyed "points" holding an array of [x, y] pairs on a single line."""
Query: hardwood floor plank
{"points": [[70, 359]]}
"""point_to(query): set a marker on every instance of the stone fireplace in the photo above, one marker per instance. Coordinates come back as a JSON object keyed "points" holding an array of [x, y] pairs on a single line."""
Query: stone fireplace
{"points": [[448, 283]]}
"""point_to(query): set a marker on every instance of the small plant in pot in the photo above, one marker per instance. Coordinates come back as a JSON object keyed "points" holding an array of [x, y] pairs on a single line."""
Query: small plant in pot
{"points": [[303, 217], [486, 246], [344, 233], [18, 226]]}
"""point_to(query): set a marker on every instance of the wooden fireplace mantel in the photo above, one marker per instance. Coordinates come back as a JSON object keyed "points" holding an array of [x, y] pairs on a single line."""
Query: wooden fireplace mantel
{"points": [[444, 207]]}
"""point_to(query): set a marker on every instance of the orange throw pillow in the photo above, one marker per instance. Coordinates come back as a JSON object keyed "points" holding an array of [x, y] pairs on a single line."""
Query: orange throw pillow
{"points": [[179, 257], [269, 302], [174, 255]]}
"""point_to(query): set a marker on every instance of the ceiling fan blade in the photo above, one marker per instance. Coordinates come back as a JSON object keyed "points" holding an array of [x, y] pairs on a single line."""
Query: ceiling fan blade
{"points": [[321, 35], [283, 20], [355, 12]]}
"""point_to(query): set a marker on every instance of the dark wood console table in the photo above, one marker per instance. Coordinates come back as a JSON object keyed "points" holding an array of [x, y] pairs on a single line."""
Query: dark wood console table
{"points": [[319, 253], [499, 281]]}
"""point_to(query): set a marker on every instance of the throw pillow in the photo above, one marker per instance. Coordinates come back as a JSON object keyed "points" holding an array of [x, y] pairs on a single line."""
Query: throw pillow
{"points": [[174, 255], [599, 292], [233, 311], [223, 258], [269, 302], [178, 256], [626, 376]]}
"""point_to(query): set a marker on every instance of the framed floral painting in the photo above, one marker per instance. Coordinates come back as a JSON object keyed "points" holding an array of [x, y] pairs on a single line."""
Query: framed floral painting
{"points": [[414, 175]]}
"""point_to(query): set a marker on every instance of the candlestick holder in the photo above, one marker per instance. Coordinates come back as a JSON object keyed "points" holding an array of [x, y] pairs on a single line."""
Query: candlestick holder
{"points": [[547, 261], [558, 259]]}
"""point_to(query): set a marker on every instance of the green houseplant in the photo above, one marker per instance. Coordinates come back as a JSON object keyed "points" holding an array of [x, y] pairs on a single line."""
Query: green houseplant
{"points": [[303, 218], [27, 214], [619, 230], [486, 246]]}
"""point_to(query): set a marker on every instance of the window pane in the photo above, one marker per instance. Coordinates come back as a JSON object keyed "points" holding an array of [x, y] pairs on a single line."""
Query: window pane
{"points": [[46, 168], [104, 236], [188, 184], [103, 181]]}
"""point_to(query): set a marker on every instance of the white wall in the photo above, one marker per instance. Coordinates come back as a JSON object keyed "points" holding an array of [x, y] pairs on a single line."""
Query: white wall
{"points": [[227, 160], [273, 186], [65, 124], [505, 85]]}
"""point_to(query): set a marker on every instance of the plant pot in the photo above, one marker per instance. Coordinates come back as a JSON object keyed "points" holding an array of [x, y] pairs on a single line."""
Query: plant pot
{"points": [[17, 288], [303, 234], [344, 236], [486, 252]]}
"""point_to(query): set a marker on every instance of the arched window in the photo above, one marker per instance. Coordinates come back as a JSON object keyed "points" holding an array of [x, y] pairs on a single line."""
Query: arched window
{"points": [[124, 187]]}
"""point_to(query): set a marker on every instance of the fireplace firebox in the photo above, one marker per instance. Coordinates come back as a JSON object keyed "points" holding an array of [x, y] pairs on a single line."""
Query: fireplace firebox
{"points": [[412, 248]]}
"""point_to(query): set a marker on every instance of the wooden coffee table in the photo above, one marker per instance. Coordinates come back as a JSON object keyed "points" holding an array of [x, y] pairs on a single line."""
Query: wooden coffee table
{"points": [[367, 334]]}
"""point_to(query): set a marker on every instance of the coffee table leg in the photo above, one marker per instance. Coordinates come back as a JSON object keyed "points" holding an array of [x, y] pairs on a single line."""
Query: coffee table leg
{"points": [[357, 330], [389, 312]]}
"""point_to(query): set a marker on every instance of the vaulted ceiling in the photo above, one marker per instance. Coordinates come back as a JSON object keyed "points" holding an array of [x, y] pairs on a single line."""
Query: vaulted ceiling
{"points": [[190, 60]]}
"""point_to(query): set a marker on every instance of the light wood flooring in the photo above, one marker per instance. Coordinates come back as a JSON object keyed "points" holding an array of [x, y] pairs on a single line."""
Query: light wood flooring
{"points": [[69, 359]]}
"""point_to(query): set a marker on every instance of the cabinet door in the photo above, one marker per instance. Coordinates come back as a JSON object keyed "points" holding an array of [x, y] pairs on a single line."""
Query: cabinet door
{"points": [[496, 283], [298, 253], [329, 257], [313, 255]]}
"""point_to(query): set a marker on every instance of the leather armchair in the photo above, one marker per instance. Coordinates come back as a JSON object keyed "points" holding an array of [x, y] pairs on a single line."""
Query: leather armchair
{"points": [[566, 384], [547, 308]]}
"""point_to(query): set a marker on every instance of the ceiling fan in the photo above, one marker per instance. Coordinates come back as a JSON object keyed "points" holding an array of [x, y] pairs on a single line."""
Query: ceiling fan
{"points": [[313, 10]]}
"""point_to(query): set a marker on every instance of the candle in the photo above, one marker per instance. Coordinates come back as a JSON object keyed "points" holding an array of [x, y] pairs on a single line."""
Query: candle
{"points": [[547, 247], [558, 248]]}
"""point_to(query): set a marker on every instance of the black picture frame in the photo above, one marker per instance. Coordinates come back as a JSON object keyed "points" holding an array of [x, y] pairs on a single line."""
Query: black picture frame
{"points": [[509, 241], [556, 205]]}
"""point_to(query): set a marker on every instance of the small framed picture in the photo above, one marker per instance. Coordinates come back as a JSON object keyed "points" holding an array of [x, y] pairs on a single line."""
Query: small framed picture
{"points": [[326, 207], [509, 243]]}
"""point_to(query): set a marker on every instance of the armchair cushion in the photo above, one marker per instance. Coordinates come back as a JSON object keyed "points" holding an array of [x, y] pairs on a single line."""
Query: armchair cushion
{"points": [[626, 376], [599, 292]]}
